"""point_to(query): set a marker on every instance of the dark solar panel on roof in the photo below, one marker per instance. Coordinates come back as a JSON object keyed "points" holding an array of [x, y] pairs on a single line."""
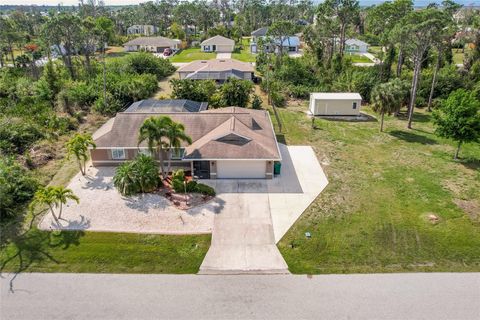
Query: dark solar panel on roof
{"points": [[166, 106]]}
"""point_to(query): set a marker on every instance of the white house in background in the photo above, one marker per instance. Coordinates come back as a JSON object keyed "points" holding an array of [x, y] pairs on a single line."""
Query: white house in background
{"points": [[142, 29], [218, 44], [356, 46], [335, 103], [152, 44]]}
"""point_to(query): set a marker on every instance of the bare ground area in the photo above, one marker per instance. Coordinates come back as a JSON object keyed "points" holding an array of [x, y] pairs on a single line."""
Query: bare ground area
{"points": [[102, 208]]}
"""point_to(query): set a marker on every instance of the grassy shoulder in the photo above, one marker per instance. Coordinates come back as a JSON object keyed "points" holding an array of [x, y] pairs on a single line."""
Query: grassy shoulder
{"points": [[192, 54], [103, 252], [374, 216]]}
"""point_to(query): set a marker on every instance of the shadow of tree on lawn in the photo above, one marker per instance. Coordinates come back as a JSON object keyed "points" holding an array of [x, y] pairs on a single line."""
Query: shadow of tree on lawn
{"points": [[412, 137], [33, 247]]}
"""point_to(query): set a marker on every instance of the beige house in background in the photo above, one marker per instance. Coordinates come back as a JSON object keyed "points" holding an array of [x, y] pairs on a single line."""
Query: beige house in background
{"points": [[218, 44], [231, 142], [152, 44], [216, 69], [335, 104]]}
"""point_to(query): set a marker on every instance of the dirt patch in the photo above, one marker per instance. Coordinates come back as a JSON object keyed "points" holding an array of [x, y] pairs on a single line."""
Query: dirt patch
{"points": [[470, 207], [184, 201]]}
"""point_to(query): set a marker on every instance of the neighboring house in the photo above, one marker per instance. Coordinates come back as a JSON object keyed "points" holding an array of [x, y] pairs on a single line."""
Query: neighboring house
{"points": [[166, 106], [356, 46], [216, 69], [143, 29], [152, 44], [335, 104], [218, 44], [261, 42], [226, 143]]}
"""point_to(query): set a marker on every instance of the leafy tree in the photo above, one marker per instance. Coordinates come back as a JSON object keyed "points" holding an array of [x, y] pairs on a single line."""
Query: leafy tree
{"points": [[53, 197], [387, 98], [17, 187], [256, 102], [280, 31], [458, 118], [78, 147], [175, 133], [192, 89], [236, 92]]}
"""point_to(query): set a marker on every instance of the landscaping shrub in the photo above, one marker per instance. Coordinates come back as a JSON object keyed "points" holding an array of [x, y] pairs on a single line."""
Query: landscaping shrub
{"points": [[256, 102], [137, 176], [204, 189], [178, 178]]}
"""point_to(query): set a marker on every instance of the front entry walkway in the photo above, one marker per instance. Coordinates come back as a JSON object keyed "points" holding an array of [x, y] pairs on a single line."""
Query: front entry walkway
{"points": [[257, 213]]}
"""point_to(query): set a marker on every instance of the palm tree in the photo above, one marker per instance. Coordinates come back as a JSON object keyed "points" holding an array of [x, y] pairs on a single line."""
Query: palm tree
{"points": [[53, 196], [78, 146], [125, 179], [154, 131], [175, 134], [387, 98]]}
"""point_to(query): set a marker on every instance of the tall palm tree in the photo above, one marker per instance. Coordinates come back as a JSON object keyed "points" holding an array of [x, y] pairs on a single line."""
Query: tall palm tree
{"points": [[78, 146], [175, 134], [154, 131], [387, 98], [53, 196]]}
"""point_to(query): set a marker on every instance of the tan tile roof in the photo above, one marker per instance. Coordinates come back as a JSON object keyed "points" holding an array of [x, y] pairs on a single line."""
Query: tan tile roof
{"points": [[152, 41], [218, 40], [227, 133], [217, 65]]}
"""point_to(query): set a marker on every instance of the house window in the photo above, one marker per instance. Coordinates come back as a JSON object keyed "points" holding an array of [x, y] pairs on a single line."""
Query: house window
{"points": [[177, 153], [145, 151], [354, 105], [118, 154]]}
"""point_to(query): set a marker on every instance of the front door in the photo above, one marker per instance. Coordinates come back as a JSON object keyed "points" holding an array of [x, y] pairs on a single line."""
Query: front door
{"points": [[201, 169], [214, 48]]}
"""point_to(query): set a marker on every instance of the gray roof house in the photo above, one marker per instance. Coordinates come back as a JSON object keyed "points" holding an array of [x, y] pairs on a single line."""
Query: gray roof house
{"points": [[226, 143], [152, 44], [290, 44], [142, 29], [218, 44], [356, 46], [216, 69]]}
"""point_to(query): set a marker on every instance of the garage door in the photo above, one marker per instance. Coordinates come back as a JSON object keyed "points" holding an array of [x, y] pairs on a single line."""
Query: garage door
{"points": [[241, 169]]}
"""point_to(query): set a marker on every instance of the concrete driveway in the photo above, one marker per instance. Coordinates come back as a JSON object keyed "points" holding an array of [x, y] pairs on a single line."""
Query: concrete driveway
{"points": [[224, 55], [257, 213]]}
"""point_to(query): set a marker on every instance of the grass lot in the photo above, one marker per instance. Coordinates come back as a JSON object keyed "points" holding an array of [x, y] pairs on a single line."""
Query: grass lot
{"points": [[375, 50], [373, 215], [192, 54], [356, 58], [100, 252], [458, 56], [244, 54]]}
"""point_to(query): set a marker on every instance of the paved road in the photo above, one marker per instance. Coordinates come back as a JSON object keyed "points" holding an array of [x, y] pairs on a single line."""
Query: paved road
{"points": [[378, 296]]}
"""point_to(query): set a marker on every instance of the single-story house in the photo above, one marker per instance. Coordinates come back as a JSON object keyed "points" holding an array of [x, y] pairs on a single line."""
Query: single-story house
{"points": [[152, 44], [166, 106], [262, 32], [356, 46], [218, 44], [335, 104], [270, 44], [226, 143], [216, 69], [143, 29]]}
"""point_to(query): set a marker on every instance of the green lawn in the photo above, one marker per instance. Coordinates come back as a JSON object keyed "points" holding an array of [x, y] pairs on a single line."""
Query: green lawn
{"points": [[244, 54], [374, 214], [458, 55], [375, 50], [102, 252], [192, 54], [356, 58]]}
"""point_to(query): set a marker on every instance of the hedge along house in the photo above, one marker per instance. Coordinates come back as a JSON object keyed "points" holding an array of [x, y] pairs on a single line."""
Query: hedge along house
{"points": [[335, 104], [152, 44], [218, 44], [226, 143], [216, 69]]}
